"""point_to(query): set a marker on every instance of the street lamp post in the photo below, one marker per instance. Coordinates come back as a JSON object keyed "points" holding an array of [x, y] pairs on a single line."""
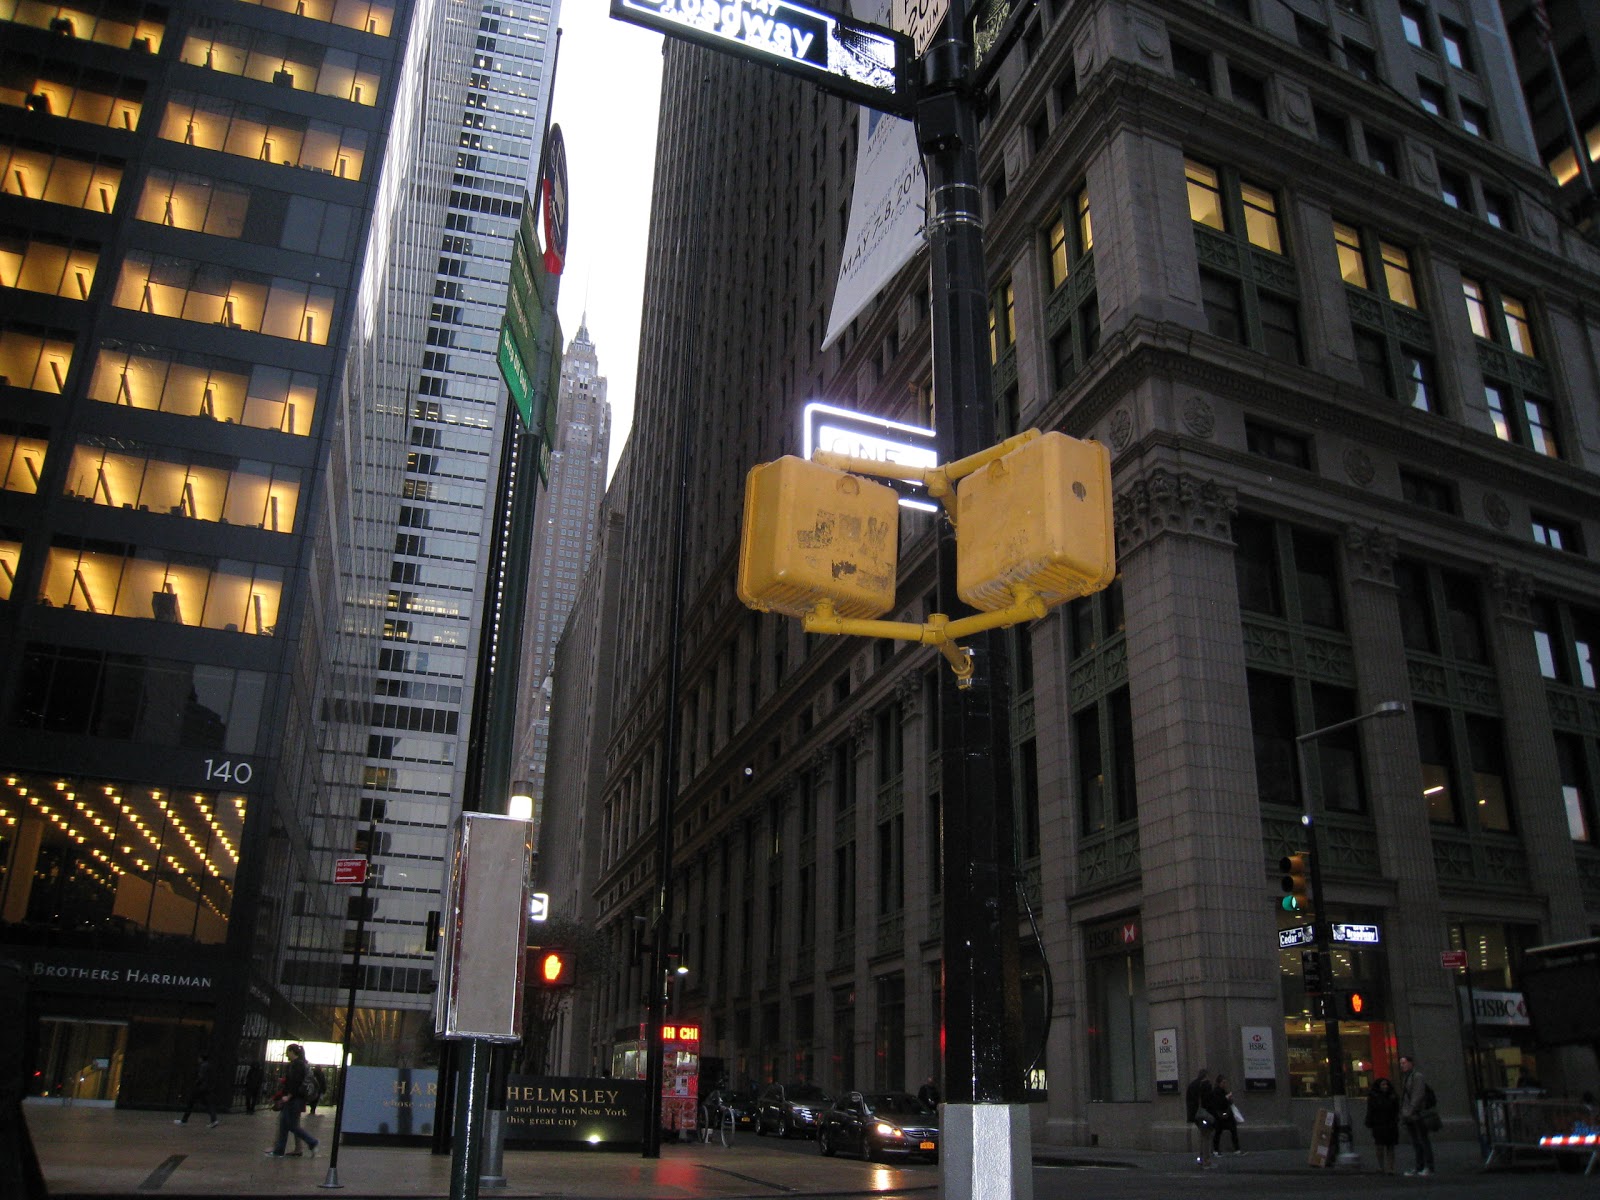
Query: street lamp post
{"points": [[1322, 931]]}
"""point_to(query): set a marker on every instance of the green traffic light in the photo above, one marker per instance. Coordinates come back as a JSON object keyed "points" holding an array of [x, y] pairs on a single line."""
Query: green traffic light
{"points": [[1290, 904]]}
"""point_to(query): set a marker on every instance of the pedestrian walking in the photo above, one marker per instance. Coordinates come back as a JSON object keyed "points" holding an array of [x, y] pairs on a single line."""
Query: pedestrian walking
{"points": [[1383, 1119], [252, 1087], [1416, 1113], [1219, 1103], [319, 1085], [290, 1100], [201, 1093], [1195, 1099]]}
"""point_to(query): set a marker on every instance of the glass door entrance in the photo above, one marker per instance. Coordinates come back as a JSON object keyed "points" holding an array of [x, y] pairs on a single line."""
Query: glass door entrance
{"points": [[80, 1061]]}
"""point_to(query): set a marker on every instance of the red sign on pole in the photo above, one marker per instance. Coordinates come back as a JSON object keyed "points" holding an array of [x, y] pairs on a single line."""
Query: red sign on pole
{"points": [[348, 872], [1453, 960]]}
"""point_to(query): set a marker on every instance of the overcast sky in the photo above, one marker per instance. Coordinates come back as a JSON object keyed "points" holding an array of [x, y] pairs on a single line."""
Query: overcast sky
{"points": [[608, 88]]}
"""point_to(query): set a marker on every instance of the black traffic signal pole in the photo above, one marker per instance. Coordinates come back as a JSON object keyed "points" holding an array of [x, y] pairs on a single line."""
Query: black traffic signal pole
{"points": [[332, 1178], [985, 1122]]}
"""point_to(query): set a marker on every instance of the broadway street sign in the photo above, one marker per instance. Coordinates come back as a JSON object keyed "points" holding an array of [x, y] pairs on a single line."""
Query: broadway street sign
{"points": [[865, 63]]}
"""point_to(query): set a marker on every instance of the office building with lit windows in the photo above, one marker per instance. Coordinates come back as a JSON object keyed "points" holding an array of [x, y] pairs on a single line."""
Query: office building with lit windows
{"points": [[1301, 266], [214, 230], [437, 553]]}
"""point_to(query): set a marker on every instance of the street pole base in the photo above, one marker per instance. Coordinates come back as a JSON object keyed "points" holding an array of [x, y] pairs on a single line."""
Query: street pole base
{"points": [[1347, 1159], [332, 1181], [492, 1181], [987, 1152]]}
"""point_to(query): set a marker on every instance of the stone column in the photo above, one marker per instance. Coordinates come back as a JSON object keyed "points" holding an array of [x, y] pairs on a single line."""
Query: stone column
{"points": [[1210, 941], [1532, 775], [1426, 1019]]}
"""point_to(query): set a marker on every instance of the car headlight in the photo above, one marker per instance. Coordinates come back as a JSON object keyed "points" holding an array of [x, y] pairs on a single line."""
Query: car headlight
{"points": [[885, 1130]]}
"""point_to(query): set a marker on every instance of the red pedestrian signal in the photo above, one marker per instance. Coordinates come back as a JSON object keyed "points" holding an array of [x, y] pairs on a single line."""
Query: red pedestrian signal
{"points": [[552, 969]]}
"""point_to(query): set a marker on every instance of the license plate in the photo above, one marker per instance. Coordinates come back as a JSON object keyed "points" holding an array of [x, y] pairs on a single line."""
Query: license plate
{"points": [[926, 1146]]}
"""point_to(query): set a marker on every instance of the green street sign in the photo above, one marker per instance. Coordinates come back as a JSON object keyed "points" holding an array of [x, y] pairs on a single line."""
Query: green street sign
{"points": [[515, 372]]}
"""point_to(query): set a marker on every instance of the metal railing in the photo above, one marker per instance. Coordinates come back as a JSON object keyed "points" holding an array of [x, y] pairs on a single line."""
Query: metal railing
{"points": [[1515, 1124]]}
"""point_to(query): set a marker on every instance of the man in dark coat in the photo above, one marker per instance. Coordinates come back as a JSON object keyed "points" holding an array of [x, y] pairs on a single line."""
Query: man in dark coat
{"points": [[201, 1093], [1413, 1114]]}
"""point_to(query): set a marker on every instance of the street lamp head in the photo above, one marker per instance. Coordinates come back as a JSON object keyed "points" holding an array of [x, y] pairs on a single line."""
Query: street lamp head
{"points": [[1390, 708]]}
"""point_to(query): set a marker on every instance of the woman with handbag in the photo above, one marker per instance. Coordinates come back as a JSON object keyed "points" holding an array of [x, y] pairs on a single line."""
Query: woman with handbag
{"points": [[1219, 1103], [1383, 1118], [290, 1100]]}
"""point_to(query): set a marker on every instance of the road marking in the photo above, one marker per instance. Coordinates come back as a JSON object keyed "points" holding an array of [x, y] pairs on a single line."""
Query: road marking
{"points": [[159, 1176], [777, 1187]]}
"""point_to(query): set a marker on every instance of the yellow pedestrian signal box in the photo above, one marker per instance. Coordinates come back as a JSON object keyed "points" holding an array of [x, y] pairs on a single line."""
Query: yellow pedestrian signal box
{"points": [[1037, 518], [812, 534]]}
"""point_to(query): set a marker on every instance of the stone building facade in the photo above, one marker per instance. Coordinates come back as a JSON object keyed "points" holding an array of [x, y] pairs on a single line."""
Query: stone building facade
{"points": [[1300, 267]]}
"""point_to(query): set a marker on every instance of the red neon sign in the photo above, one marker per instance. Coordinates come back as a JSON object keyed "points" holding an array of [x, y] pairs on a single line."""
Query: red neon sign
{"points": [[680, 1033]]}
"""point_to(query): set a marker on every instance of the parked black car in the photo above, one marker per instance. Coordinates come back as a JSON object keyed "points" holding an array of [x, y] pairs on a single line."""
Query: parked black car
{"points": [[742, 1106], [790, 1109], [880, 1124]]}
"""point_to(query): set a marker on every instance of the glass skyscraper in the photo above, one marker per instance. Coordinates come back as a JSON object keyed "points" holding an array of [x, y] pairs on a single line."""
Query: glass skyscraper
{"points": [[414, 759], [216, 228]]}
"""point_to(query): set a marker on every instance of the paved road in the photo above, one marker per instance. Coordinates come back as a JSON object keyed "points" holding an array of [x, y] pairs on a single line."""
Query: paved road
{"points": [[105, 1153]]}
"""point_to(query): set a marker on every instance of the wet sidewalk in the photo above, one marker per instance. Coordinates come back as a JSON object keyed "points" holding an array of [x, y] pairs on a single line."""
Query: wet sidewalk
{"points": [[111, 1152], [101, 1152]]}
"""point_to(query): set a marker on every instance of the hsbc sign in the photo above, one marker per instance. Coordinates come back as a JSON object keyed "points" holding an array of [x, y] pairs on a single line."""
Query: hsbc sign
{"points": [[1496, 1008]]}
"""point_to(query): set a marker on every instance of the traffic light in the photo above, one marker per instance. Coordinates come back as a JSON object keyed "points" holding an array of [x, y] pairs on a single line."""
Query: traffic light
{"points": [[551, 968], [1040, 518], [1296, 870], [1354, 1006], [813, 534]]}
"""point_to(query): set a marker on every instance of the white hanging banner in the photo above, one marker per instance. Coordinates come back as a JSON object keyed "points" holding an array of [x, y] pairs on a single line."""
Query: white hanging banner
{"points": [[886, 210]]}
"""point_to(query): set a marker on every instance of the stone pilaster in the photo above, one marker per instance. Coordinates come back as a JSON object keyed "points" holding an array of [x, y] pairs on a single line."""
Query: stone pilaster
{"points": [[1414, 930], [1533, 777], [1210, 941]]}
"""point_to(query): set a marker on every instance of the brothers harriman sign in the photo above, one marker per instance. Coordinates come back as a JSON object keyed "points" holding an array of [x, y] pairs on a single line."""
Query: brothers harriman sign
{"points": [[869, 64]]}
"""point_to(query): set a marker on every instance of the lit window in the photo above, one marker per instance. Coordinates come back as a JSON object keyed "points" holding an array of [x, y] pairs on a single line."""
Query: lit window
{"points": [[10, 555], [1261, 218], [237, 597], [1541, 428], [21, 460], [259, 396], [1494, 399], [1397, 275], [193, 202], [35, 360], [1058, 254], [1477, 309], [252, 495], [1352, 268], [112, 25], [1519, 334], [119, 109], [375, 18], [1205, 195], [1085, 223], [58, 178], [53, 268]]}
